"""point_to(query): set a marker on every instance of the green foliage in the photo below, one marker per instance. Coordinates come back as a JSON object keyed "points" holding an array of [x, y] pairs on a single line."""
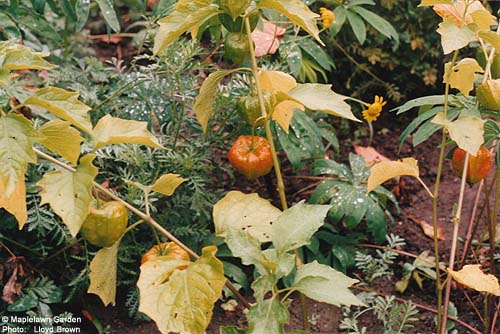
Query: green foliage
{"points": [[396, 317], [380, 265], [346, 192]]}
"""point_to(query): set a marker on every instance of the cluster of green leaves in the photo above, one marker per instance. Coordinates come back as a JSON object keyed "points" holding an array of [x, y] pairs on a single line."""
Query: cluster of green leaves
{"points": [[347, 193], [249, 222]]}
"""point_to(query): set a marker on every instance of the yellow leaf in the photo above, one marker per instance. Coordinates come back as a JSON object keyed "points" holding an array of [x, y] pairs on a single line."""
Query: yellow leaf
{"points": [[17, 137], [64, 104], [15, 56], [181, 301], [386, 170], [462, 74], [247, 212], [69, 194], [467, 131], [276, 81], [167, 184], [491, 37], [455, 12], [103, 274], [473, 277], [283, 113], [111, 130], [454, 37], [434, 2], [15, 204], [483, 19], [488, 94], [61, 138]]}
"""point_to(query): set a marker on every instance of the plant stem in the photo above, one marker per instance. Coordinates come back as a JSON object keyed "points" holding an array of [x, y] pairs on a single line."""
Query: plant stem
{"points": [[453, 250], [144, 217], [277, 169], [435, 197]]}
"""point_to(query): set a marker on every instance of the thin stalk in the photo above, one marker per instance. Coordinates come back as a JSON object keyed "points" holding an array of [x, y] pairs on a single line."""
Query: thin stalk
{"points": [[144, 217], [472, 224], [454, 241], [277, 168], [435, 199]]}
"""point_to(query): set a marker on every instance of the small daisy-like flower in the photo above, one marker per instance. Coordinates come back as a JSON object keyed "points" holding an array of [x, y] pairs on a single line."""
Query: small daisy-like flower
{"points": [[327, 16], [373, 112]]}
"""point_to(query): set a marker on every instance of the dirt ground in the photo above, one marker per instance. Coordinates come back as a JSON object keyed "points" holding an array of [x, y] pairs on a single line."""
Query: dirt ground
{"points": [[415, 203]]}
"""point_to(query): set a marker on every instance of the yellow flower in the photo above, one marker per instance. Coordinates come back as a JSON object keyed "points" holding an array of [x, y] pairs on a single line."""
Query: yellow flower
{"points": [[373, 112], [327, 16]]}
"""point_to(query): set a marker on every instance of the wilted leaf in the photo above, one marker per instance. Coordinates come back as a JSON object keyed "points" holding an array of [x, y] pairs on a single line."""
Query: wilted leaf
{"points": [[454, 37], [455, 12], [488, 94], [69, 194], [203, 104], [325, 284], [64, 104], [467, 131], [61, 138], [491, 37], [321, 97], [167, 184], [472, 277], [276, 81], [434, 2], [428, 229], [386, 170], [186, 15], [296, 225], [15, 204], [17, 269], [297, 12], [17, 137], [103, 274], [267, 40], [283, 113], [461, 76], [370, 154], [181, 301], [15, 56], [111, 130], [248, 212]]}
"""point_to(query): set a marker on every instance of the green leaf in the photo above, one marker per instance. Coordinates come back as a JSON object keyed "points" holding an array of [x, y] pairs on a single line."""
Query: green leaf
{"points": [[375, 219], [282, 264], [296, 225], [268, 316], [181, 301], [243, 245], [380, 24], [17, 137], [454, 37], [70, 193], [64, 104], [417, 121], [203, 105], [82, 12], [325, 284], [331, 167], [236, 274], [186, 15], [340, 17], [317, 53], [167, 184], [109, 14], [111, 130], [61, 138], [247, 212], [19, 57], [321, 97], [357, 25], [421, 101], [263, 285], [103, 274], [297, 12], [466, 131], [232, 330]]}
